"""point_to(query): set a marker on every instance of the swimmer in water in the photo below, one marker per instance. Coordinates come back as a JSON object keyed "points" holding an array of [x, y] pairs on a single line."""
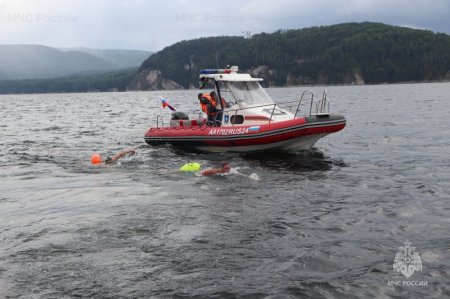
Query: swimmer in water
{"points": [[190, 167], [194, 167], [213, 171], [97, 159]]}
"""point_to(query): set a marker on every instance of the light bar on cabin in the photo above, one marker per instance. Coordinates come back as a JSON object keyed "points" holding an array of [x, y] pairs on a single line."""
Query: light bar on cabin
{"points": [[214, 71], [233, 69]]}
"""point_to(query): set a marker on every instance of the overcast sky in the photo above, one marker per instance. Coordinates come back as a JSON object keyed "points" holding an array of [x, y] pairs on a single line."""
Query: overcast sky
{"points": [[152, 25]]}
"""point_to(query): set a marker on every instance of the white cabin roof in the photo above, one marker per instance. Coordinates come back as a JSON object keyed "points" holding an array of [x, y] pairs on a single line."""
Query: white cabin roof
{"points": [[228, 74], [230, 77]]}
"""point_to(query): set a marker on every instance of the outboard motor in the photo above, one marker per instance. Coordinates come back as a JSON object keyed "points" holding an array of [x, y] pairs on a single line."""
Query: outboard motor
{"points": [[179, 115], [179, 119]]}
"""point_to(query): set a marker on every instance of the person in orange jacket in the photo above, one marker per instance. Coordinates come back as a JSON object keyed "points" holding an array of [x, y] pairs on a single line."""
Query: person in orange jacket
{"points": [[208, 105], [222, 104]]}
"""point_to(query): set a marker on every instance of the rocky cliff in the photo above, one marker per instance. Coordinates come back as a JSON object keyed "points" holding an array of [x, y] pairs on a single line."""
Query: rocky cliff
{"points": [[352, 53], [152, 80]]}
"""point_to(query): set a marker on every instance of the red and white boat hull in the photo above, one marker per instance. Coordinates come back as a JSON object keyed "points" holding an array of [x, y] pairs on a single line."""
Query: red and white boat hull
{"points": [[290, 135]]}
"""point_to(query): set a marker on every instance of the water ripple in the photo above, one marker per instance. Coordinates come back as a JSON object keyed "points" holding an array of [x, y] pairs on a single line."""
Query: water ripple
{"points": [[324, 223]]}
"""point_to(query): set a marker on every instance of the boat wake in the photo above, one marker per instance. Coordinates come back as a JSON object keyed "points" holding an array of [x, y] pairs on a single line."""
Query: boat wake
{"points": [[234, 171]]}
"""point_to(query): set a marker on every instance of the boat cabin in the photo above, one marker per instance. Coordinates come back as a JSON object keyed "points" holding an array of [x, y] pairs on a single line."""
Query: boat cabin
{"points": [[247, 119], [244, 101]]}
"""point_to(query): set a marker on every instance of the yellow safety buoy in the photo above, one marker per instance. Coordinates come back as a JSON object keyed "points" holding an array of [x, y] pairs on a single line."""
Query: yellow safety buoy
{"points": [[193, 167]]}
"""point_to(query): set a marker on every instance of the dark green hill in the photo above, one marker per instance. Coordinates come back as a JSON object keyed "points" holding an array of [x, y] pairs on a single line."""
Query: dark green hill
{"points": [[116, 80], [339, 54]]}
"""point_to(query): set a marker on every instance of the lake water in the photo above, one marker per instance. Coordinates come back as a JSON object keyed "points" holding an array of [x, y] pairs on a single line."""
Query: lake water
{"points": [[322, 224]]}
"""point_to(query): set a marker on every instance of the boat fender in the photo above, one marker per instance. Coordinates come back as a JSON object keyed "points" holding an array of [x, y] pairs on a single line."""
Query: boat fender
{"points": [[191, 167]]}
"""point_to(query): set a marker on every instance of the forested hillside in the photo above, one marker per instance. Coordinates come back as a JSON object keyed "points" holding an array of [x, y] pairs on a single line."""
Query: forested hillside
{"points": [[110, 81], [352, 53], [340, 54]]}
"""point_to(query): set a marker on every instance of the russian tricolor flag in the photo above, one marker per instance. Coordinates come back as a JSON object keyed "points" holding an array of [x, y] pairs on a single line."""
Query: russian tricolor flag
{"points": [[166, 104]]}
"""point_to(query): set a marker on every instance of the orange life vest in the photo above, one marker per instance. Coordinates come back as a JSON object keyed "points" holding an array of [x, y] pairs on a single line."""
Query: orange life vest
{"points": [[223, 103], [210, 100]]}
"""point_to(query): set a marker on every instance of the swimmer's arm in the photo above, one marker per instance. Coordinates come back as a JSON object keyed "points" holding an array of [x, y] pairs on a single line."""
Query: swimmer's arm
{"points": [[210, 172], [122, 153]]}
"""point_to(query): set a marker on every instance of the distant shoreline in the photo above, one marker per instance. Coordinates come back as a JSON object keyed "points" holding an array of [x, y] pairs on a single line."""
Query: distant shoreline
{"points": [[192, 89]]}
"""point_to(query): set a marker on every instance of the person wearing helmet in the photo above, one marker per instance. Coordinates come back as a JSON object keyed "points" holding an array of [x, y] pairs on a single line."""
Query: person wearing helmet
{"points": [[208, 105]]}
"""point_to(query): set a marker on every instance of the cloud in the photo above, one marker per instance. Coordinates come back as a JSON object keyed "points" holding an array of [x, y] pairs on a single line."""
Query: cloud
{"points": [[153, 25]]}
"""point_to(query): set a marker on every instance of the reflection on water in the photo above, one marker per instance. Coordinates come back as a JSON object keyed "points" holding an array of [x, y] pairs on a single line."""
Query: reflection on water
{"points": [[322, 223]]}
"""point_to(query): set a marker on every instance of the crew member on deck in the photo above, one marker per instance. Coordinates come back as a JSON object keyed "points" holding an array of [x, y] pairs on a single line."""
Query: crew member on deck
{"points": [[220, 105], [208, 105]]}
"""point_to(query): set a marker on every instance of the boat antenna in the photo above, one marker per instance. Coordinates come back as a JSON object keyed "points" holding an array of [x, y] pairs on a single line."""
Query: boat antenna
{"points": [[217, 59], [247, 34]]}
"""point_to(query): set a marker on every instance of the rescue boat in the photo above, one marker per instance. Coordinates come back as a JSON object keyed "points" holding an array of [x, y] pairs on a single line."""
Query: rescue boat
{"points": [[247, 119]]}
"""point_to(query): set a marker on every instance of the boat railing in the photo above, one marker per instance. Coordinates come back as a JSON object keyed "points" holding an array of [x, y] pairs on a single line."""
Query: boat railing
{"points": [[323, 105], [159, 118], [316, 107], [307, 105]]}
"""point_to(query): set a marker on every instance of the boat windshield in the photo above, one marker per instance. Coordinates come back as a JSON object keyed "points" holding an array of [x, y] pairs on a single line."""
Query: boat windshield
{"points": [[250, 92]]}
